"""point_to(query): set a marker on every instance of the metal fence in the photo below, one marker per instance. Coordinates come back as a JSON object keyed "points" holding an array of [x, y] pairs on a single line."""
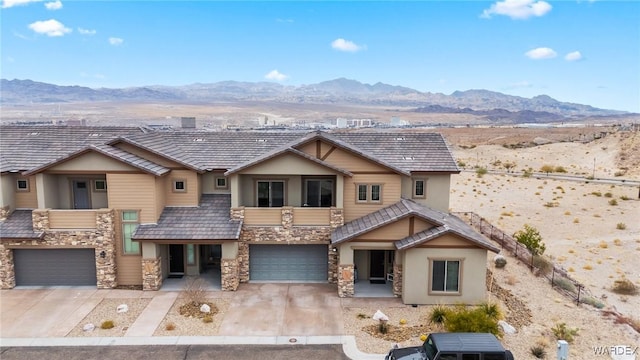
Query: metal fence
{"points": [[542, 266]]}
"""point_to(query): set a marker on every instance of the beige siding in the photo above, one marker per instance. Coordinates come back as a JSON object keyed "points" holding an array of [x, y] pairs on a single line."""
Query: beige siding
{"points": [[395, 231], [208, 183], [8, 191], [420, 225], [309, 148], [27, 199], [416, 279], [134, 192], [161, 200], [129, 267], [72, 219], [311, 216], [191, 196], [263, 216], [288, 164], [92, 162], [438, 189], [449, 241], [148, 155], [391, 190]]}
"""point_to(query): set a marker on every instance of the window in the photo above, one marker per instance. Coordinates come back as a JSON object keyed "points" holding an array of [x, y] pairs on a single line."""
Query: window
{"points": [[129, 226], [369, 193], [419, 188], [470, 356], [270, 193], [179, 185], [191, 254], [100, 185], [319, 192], [445, 275], [221, 182], [22, 185]]}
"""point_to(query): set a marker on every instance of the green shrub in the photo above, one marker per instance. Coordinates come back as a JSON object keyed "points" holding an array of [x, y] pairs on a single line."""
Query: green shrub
{"points": [[592, 301], [621, 226], [608, 195], [538, 352], [492, 310], [362, 316], [481, 171], [565, 284], [463, 319], [625, 197], [531, 239], [107, 324], [613, 202], [596, 193], [438, 314], [562, 332], [382, 327], [547, 169], [461, 164], [560, 169]]}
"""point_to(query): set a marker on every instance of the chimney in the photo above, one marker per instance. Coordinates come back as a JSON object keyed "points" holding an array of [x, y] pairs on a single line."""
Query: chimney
{"points": [[188, 122]]}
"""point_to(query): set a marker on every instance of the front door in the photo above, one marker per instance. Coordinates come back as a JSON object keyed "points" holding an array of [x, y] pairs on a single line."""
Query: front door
{"points": [[81, 194], [176, 259], [376, 264]]}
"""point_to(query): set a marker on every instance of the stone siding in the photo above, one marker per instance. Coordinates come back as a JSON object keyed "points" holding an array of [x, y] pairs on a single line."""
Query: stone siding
{"points": [[151, 274], [346, 280], [397, 280], [229, 274], [101, 239], [4, 212]]}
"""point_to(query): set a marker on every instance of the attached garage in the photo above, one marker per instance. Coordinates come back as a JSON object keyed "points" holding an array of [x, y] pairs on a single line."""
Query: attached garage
{"points": [[296, 263], [53, 267]]}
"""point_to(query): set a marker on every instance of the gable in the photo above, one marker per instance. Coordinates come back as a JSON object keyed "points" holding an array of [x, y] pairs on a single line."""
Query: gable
{"points": [[449, 241], [341, 158], [397, 230], [153, 157], [288, 163], [92, 161]]}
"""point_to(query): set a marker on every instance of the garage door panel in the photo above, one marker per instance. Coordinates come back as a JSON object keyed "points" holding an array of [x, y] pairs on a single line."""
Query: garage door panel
{"points": [[52, 267], [288, 262]]}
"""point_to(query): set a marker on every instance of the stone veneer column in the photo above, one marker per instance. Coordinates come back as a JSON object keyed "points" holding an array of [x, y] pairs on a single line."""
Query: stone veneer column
{"points": [[151, 274], [40, 218], [336, 217], [397, 280], [4, 212], [105, 242], [229, 274], [237, 213], [7, 272], [345, 281], [287, 217], [243, 259], [333, 266]]}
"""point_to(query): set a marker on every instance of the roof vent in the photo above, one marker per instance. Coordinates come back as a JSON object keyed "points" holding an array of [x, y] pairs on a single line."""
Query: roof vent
{"points": [[400, 138], [198, 139], [261, 140], [408, 158], [95, 135], [34, 134]]}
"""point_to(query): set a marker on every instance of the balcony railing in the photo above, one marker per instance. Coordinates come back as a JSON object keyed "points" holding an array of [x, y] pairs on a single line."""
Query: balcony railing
{"points": [[292, 216], [312, 216], [263, 216]]}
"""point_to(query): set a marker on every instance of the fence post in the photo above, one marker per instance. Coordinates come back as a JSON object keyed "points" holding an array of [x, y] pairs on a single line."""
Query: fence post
{"points": [[502, 242], [578, 298], [553, 274], [516, 249], [490, 232]]}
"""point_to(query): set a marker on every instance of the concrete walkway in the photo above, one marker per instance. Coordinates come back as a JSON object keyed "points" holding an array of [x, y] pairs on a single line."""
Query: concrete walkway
{"points": [[151, 317]]}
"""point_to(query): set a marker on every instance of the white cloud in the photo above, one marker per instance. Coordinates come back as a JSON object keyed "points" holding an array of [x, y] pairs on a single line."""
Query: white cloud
{"points": [[54, 5], [49, 27], [276, 75], [541, 53], [86, 31], [517, 9], [573, 56], [115, 41], [346, 45], [12, 3]]}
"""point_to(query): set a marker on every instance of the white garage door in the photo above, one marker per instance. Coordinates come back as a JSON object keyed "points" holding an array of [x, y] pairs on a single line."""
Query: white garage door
{"points": [[298, 263], [50, 267]]}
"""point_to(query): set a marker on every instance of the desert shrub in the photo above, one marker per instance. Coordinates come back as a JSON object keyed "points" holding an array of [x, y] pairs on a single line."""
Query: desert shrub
{"points": [[621, 226], [624, 286], [208, 318], [492, 310], [592, 301], [531, 239], [603, 244], [500, 262], [382, 327], [481, 171], [618, 173], [560, 169], [194, 290], [170, 326], [362, 316], [608, 195], [461, 164], [576, 221], [588, 267], [509, 165], [613, 202], [562, 332], [547, 169], [438, 314], [107, 324], [564, 284], [625, 197], [463, 319], [617, 242], [552, 204], [543, 264], [538, 352], [527, 173], [596, 193]]}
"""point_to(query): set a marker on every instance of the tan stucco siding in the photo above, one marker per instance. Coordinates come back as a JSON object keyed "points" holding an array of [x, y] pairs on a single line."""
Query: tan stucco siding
{"points": [[438, 187], [134, 192], [129, 267], [416, 279], [395, 231], [448, 240], [92, 161], [421, 225], [391, 190], [161, 194], [208, 183], [191, 196], [8, 191], [288, 164], [27, 199], [148, 155]]}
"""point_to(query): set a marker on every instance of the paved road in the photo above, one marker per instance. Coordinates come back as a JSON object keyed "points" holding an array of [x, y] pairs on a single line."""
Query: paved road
{"points": [[177, 352]]}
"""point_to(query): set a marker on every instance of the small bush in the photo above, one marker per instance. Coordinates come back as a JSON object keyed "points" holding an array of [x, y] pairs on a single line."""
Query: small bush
{"points": [[461, 164], [608, 195], [621, 226], [481, 171], [362, 316], [194, 290], [603, 244], [613, 202], [624, 286], [592, 301], [531, 239], [107, 324], [170, 326], [382, 327], [543, 264], [576, 221], [207, 319], [438, 314], [464, 319], [552, 204], [560, 169], [618, 173], [547, 169], [565, 284], [625, 197], [492, 310], [562, 332], [596, 193], [538, 352]]}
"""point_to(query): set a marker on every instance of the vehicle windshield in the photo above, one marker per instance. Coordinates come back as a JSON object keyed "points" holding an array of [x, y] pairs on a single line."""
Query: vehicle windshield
{"points": [[430, 349]]}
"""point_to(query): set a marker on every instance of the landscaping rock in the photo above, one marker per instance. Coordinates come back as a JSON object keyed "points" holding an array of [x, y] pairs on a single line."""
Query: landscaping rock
{"points": [[122, 308], [379, 315], [205, 308], [88, 327], [506, 328]]}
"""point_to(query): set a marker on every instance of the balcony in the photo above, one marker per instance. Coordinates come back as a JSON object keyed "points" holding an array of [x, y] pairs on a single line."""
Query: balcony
{"points": [[288, 216], [93, 219]]}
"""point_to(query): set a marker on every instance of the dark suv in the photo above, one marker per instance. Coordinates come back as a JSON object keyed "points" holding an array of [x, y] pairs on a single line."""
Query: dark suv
{"points": [[454, 346]]}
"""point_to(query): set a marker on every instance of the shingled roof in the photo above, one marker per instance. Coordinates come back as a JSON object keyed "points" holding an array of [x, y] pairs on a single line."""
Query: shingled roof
{"points": [[19, 225], [209, 221], [444, 223]]}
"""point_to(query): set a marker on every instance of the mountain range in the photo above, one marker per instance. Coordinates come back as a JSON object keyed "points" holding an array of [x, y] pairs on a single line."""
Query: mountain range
{"points": [[478, 102]]}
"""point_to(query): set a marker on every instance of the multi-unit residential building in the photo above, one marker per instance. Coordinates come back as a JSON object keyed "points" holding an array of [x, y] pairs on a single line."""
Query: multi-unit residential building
{"points": [[110, 206]]}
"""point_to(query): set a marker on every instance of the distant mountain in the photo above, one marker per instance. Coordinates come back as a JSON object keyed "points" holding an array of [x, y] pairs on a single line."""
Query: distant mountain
{"points": [[479, 102]]}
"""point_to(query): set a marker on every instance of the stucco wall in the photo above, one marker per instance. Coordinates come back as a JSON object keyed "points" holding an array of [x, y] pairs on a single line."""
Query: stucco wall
{"points": [[438, 190], [416, 279], [7, 192]]}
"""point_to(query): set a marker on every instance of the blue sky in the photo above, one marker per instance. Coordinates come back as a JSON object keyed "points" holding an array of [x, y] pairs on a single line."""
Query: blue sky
{"points": [[579, 51]]}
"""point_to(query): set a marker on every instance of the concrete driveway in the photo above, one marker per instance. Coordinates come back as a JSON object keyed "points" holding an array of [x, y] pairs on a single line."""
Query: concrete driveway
{"points": [[284, 310]]}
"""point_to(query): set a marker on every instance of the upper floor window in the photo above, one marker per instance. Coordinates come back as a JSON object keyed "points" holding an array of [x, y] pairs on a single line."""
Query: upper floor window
{"points": [[129, 225], [179, 185], [270, 193], [419, 188], [22, 185], [369, 193], [445, 275], [99, 185], [319, 192], [221, 182]]}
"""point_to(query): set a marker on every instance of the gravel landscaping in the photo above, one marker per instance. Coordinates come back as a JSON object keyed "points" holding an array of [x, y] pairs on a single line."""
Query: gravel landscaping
{"points": [[106, 310], [175, 324]]}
